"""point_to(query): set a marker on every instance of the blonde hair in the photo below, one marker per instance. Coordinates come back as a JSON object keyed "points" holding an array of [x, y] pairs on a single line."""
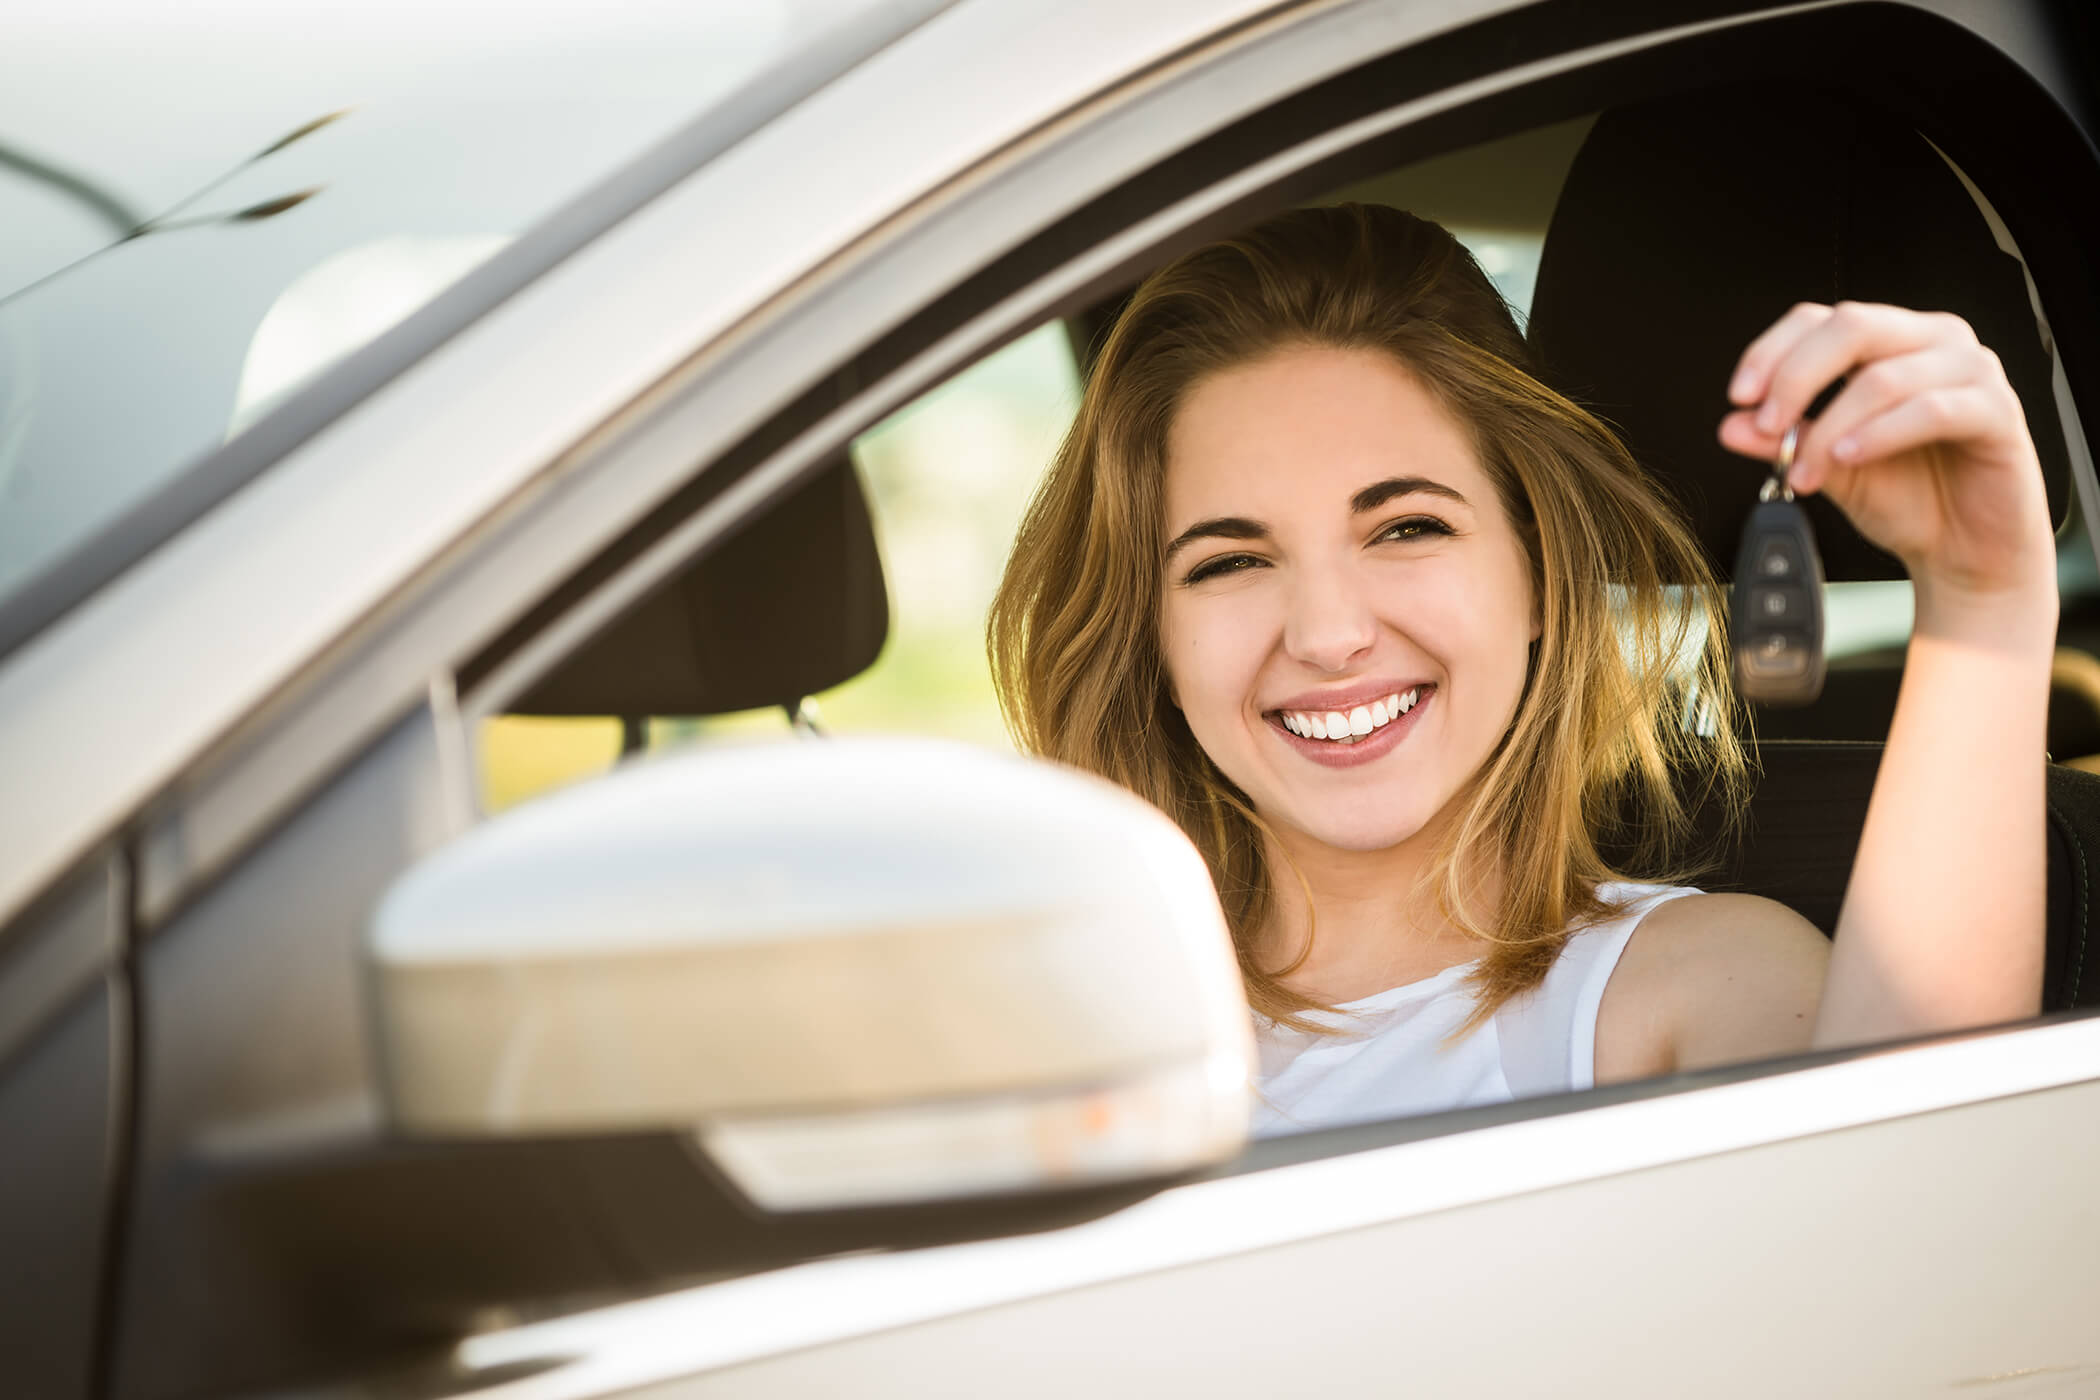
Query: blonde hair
{"points": [[1587, 761]]}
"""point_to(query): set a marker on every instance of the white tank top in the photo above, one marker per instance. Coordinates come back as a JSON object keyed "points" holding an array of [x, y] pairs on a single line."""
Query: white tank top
{"points": [[1391, 1061]]}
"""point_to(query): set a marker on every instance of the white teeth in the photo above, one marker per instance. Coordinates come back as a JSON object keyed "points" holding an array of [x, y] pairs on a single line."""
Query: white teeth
{"points": [[1336, 726]]}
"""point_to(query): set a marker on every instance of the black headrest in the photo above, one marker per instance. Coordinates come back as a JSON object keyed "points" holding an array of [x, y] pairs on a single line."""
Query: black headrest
{"points": [[790, 605], [1688, 225]]}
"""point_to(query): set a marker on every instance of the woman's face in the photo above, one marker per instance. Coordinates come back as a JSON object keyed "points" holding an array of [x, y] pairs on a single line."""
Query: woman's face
{"points": [[1346, 609]]}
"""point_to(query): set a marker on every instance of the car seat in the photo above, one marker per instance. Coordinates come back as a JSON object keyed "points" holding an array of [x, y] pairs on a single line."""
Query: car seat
{"points": [[1669, 250]]}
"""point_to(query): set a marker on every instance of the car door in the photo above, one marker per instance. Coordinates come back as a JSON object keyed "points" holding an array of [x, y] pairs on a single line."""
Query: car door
{"points": [[662, 386]]}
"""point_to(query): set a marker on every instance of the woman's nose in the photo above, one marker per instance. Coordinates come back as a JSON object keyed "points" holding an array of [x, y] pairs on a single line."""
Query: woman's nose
{"points": [[1331, 623]]}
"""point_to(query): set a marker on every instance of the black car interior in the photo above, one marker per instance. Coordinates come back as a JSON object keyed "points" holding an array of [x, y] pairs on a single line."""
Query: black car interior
{"points": [[1663, 259]]}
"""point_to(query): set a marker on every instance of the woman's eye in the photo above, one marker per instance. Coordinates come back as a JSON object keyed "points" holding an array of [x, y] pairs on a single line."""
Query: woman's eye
{"points": [[1223, 564], [1414, 527]]}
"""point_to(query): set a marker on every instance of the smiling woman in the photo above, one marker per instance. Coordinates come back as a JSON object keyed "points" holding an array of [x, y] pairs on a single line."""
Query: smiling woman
{"points": [[1326, 572], [1324, 448]]}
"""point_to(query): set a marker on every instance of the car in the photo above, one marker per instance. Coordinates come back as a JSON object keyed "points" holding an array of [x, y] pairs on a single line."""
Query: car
{"points": [[293, 647]]}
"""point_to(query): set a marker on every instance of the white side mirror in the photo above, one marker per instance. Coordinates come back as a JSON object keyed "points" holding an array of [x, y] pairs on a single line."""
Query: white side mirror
{"points": [[861, 971]]}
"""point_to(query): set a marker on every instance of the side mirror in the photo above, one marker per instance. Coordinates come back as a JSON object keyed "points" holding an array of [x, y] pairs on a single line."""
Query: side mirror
{"points": [[860, 972]]}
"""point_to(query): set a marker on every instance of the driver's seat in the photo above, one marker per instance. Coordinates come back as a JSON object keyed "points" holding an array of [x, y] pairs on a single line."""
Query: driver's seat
{"points": [[1658, 201], [1798, 839]]}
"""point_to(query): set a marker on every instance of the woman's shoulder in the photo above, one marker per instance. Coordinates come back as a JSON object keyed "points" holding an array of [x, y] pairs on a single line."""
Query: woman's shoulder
{"points": [[1702, 926], [1708, 979]]}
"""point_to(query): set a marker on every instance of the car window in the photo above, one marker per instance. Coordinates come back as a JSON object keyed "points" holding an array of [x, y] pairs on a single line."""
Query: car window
{"points": [[948, 476], [427, 136]]}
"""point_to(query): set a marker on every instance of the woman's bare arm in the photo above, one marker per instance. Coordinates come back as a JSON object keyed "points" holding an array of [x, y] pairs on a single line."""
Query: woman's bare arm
{"points": [[1927, 452]]}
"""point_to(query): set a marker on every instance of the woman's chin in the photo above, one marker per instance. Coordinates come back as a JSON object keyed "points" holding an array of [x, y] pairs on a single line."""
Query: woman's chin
{"points": [[1358, 832]]}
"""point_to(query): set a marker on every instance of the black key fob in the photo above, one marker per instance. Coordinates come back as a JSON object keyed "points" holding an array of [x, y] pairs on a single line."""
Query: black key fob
{"points": [[1775, 614]]}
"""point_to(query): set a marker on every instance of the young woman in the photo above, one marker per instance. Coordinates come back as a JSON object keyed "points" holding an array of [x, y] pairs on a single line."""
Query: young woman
{"points": [[1386, 624]]}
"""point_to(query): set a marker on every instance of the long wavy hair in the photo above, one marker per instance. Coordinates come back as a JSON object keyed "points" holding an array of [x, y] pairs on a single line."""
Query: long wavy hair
{"points": [[1629, 685]]}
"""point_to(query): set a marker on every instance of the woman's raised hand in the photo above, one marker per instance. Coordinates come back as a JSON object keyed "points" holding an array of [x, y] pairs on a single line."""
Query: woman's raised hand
{"points": [[1925, 449]]}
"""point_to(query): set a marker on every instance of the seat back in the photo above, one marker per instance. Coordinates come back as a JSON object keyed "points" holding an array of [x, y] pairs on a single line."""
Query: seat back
{"points": [[1800, 835]]}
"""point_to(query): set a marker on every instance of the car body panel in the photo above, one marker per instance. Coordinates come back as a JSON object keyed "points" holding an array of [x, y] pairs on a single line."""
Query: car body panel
{"points": [[1629, 1244], [1866, 1264]]}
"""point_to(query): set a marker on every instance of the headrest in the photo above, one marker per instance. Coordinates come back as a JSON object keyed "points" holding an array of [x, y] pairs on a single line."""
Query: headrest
{"points": [[1688, 225], [790, 605]]}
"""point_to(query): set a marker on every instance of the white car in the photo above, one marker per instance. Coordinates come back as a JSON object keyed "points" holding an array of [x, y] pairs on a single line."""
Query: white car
{"points": [[318, 1074]]}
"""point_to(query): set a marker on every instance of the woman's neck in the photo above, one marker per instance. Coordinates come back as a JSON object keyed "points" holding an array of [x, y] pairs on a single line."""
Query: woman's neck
{"points": [[1374, 922]]}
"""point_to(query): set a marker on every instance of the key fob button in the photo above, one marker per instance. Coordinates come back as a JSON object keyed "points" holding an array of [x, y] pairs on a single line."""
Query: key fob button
{"points": [[1777, 606], [1777, 655], [1778, 559]]}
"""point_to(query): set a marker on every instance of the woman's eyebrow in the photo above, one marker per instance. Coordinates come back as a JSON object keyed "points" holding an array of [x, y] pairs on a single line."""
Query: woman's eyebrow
{"points": [[1239, 527], [1224, 527], [1377, 494]]}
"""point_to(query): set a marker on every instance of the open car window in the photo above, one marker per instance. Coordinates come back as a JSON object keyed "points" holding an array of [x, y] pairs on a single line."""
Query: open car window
{"points": [[947, 476]]}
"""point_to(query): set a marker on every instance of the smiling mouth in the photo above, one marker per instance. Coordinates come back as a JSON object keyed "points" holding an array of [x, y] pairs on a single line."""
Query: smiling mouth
{"points": [[1346, 727]]}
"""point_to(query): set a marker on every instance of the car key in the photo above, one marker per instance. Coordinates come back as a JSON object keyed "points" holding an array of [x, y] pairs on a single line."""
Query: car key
{"points": [[1775, 614]]}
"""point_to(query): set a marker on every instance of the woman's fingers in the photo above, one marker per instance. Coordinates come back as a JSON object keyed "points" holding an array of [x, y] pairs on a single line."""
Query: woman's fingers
{"points": [[1753, 372], [1924, 447], [1853, 334], [1873, 391], [1947, 414], [1889, 351]]}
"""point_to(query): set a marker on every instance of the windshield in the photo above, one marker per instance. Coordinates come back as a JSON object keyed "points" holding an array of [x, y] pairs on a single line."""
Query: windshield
{"points": [[173, 265]]}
